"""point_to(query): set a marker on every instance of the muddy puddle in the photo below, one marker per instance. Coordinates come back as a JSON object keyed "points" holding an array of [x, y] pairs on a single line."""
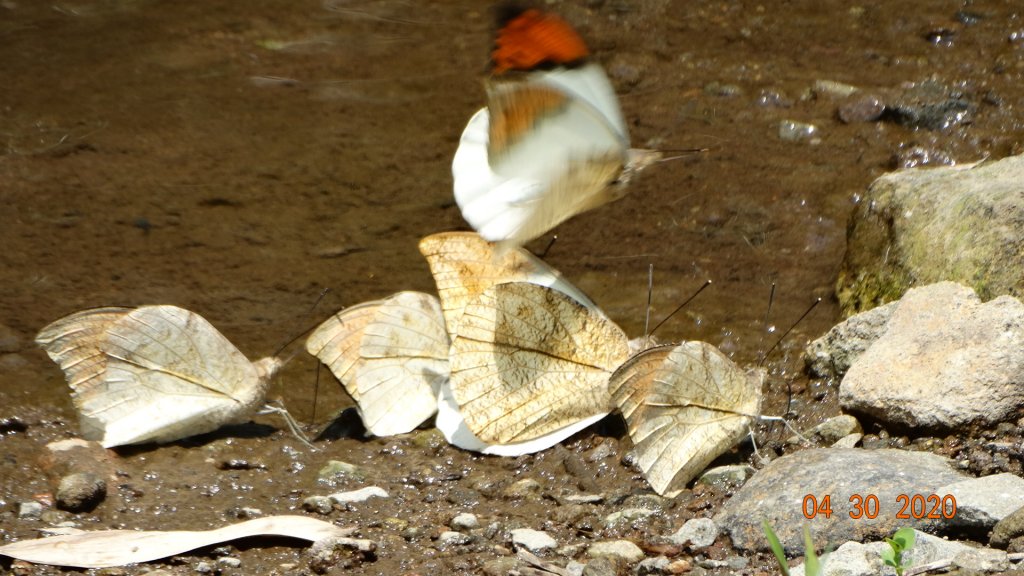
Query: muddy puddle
{"points": [[240, 159]]}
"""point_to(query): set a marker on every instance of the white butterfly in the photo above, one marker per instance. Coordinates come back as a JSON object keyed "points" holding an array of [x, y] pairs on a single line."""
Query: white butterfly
{"points": [[684, 405], [550, 144], [153, 374], [391, 355]]}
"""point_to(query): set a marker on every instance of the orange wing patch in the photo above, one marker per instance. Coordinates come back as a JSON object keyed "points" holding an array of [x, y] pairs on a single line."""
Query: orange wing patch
{"points": [[533, 38], [514, 112]]}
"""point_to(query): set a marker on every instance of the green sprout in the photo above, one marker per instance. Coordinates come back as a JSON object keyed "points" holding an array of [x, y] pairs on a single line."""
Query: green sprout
{"points": [[901, 541], [812, 565]]}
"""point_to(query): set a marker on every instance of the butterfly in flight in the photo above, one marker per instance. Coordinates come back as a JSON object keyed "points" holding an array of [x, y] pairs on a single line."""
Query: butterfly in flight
{"points": [[552, 141]]}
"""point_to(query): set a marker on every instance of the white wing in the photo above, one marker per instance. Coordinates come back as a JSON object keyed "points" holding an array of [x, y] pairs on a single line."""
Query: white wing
{"points": [[684, 406], [153, 374], [529, 361], [391, 355]]}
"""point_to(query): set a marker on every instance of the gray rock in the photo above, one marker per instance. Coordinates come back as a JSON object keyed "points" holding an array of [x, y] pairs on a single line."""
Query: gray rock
{"points": [[622, 549], [628, 515], [830, 431], [319, 504], [929, 105], [522, 489], [204, 567], [80, 492], [730, 475], [603, 566], [945, 360], [861, 107], [533, 540], [450, 538], [850, 559], [777, 494], [919, 226], [982, 502], [648, 501], [657, 565], [927, 548], [982, 560], [228, 561], [500, 566], [465, 521], [30, 510], [361, 495], [831, 355], [1010, 527], [697, 533], [848, 441]]}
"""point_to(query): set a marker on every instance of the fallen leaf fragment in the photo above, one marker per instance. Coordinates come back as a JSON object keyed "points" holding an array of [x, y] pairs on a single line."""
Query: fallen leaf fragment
{"points": [[105, 548]]}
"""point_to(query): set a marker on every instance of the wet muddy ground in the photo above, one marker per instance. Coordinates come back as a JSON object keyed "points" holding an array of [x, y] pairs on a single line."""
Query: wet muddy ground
{"points": [[239, 159]]}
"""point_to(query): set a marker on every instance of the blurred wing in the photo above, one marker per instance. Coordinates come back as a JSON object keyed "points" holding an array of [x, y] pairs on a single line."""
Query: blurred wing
{"points": [[464, 265], [529, 361], [545, 149], [684, 406], [391, 355], [156, 373]]}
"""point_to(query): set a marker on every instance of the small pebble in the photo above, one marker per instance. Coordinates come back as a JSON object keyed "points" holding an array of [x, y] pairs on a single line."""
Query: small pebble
{"points": [[621, 549], [361, 495], [833, 89], [449, 538], [793, 131], [861, 107], [319, 504], [335, 468], [205, 567], [229, 561], [696, 533], [533, 540], [522, 489], [657, 565], [603, 566], [628, 515], [731, 475], [465, 521], [30, 510], [80, 492]]}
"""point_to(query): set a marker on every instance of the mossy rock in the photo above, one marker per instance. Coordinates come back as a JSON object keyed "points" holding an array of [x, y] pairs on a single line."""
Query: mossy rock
{"points": [[926, 225]]}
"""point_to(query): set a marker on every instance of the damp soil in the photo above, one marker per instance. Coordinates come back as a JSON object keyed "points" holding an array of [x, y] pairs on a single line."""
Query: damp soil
{"points": [[267, 163]]}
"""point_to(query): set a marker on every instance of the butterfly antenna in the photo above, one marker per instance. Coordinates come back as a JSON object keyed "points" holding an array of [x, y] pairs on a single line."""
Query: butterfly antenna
{"points": [[650, 291], [679, 153], [680, 307], [544, 254], [307, 330], [768, 312], [790, 329], [316, 391]]}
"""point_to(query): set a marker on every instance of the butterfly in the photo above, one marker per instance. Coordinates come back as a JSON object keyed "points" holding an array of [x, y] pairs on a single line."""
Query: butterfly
{"points": [[530, 356], [684, 406], [153, 374], [391, 355], [552, 141]]}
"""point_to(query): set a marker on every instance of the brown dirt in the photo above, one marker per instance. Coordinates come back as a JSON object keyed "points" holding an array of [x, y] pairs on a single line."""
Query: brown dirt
{"points": [[239, 159]]}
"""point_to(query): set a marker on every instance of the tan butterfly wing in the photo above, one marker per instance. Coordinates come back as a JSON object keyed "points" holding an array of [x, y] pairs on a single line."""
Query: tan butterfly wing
{"points": [[684, 406], [528, 361], [391, 355], [153, 374], [464, 265]]}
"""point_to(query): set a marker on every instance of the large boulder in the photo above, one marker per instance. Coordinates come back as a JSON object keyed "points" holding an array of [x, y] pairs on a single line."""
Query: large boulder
{"points": [[925, 225]]}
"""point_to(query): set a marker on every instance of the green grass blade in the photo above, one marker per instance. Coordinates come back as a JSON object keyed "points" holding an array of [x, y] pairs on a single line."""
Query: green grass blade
{"points": [[776, 546]]}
